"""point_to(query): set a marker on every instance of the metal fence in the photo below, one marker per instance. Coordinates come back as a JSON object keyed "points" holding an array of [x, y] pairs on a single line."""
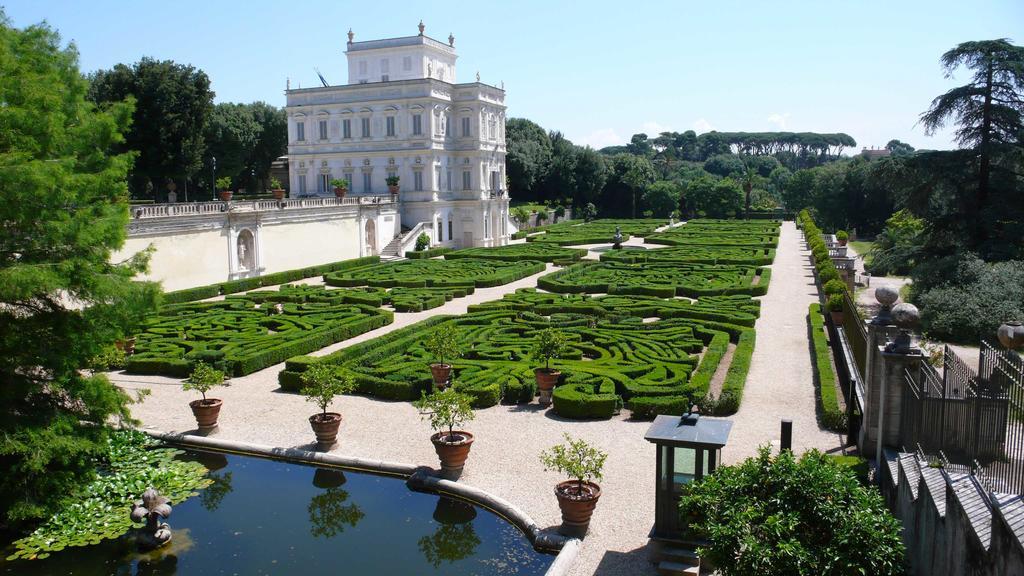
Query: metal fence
{"points": [[973, 419], [856, 334]]}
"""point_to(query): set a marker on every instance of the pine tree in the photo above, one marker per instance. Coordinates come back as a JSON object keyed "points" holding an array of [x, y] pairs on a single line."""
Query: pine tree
{"points": [[63, 212]]}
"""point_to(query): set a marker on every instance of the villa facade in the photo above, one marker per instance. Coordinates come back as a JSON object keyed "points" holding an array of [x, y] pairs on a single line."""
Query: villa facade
{"points": [[403, 115]]}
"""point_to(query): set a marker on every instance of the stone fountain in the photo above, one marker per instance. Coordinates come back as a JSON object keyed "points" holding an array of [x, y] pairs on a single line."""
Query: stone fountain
{"points": [[152, 509]]}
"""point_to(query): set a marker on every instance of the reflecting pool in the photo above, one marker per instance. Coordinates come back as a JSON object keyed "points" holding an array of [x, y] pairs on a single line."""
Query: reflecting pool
{"points": [[263, 516]]}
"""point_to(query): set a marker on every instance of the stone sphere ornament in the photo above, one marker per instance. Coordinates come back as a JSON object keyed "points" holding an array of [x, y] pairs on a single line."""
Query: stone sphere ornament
{"points": [[906, 317], [1011, 334], [886, 297]]}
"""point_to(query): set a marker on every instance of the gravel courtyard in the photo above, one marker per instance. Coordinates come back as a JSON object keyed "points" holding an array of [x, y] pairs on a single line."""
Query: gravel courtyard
{"points": [[504, 458]]}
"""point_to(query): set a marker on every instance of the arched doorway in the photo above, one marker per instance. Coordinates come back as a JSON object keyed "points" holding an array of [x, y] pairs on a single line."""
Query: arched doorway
{"points": [[246, 247], [371, 237]]}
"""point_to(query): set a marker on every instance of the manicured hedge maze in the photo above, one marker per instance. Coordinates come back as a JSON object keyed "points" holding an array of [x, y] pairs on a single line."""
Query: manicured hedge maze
{"points": [[637, 352], [663, 279], [403, 299], [596, 232], [244, 334], [755, 256], [466, 272], [540, 251], [755, 233]]}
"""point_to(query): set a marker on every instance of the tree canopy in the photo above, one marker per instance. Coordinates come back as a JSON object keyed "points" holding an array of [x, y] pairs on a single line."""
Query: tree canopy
{"points": [[62, 301]]}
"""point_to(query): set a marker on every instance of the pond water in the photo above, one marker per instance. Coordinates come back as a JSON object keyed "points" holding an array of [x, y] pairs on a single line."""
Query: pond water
{"points": [[268, 517]]}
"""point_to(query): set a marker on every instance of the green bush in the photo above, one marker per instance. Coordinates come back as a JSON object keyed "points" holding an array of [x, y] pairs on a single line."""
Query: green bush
{"points": [[539, 251], [783, 515], [422, 242], [429, 253], [835, 286], [832, 416], [466, 272]]}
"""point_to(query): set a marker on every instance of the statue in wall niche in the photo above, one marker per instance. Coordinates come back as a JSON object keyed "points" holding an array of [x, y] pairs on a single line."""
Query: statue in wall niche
{"points": [[241, 254], [152, 509], [430, 70]]}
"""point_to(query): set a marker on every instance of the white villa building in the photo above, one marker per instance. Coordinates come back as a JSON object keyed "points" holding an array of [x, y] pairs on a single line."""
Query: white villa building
{"points": [[403, 114]]}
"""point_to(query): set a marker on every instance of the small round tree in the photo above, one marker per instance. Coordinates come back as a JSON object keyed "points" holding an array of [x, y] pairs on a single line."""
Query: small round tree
{"points": [[578, 460], [442, 344], [203, 379], [446, 410], [422, 242], [322, 383], [783, 515], [548, 344]]}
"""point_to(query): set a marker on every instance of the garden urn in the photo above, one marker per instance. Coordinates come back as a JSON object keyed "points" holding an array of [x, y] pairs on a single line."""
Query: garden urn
{"points": [[225, 195], [393, 189], [441, 373], [546, 378], [340, 191], [206, 412], [452, 450], [1011, 335], [325, 425], [577, 501], [278, 193]]}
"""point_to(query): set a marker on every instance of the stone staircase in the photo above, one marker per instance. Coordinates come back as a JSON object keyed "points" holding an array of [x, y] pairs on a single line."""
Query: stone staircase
{"points": [[676, 560], [391, 250]]}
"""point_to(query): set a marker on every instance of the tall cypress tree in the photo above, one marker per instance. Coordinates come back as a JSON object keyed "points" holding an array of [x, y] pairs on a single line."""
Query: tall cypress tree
{"points": [[64, 212]]}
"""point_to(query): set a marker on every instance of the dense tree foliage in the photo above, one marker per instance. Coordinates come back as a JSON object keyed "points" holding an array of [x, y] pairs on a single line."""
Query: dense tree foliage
{"points": [[173, 103], [783, 515], [527, 157], [61, 300], [245, 139]]}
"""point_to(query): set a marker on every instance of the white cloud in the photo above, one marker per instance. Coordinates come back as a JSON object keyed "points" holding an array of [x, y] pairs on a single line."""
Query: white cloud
{"points": [[652, 128], [600, 138], [779, 119], [701, 125]]}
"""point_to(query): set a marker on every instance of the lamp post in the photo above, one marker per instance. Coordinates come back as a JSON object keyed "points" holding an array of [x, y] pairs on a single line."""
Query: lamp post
{"points": [[252, 172], [213, 181]]}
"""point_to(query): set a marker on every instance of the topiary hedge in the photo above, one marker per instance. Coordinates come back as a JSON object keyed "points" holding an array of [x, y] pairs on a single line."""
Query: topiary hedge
{"points": [[467, 272], [539, 251], [662, 279], [429, 253], [832, 416]]}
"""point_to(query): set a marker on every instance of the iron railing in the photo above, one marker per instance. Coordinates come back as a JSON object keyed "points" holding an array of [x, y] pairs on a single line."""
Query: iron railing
{"points": [[974, 420]]}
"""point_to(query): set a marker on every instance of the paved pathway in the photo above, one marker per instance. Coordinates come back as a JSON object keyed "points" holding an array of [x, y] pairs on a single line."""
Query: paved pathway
{"points": [[780, 384], [504, 459]]}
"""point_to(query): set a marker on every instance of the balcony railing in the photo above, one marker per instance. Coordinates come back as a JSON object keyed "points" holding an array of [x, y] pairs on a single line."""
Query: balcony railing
{"points": [[201, 208]]}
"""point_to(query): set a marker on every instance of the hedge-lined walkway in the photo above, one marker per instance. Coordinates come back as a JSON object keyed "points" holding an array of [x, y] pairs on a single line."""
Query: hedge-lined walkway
{"points": [[780, 384]]}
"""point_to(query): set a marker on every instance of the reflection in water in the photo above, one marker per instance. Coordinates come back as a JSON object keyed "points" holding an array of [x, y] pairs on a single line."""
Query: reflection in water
{"points": [[162, 561], [213, 461], [212, 495], [328, 513], [454, 538], [328, 478]]}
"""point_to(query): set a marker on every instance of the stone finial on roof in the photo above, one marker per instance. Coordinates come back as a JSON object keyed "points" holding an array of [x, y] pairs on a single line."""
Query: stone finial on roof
{"points": [[350, 35], [421, 27], [477, 75], [451, 39]]}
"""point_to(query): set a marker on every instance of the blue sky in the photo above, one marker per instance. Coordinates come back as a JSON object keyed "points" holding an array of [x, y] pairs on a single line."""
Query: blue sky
{"points": [[599, 71]]}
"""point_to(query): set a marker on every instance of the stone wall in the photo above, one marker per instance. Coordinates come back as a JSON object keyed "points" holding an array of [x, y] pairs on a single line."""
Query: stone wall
{"points": [[952, 526]]}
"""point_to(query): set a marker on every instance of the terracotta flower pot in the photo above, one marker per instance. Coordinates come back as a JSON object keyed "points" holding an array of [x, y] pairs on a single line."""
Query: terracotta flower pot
{"points": [[393, 189], [547, 379], [837, 317], [577, 507], [453, 455], [206, 412], [842, 242], [127, 346], [442, 373], [325, 426], [278, 193], [226, 195], [340, 192]]}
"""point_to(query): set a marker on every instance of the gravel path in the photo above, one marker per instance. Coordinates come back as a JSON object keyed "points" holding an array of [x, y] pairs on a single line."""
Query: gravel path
{"points": [[504, 459], [780, 384]]}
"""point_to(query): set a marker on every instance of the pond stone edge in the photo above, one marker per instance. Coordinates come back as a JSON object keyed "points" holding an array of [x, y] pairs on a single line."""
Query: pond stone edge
{"points": [[419, 478]]}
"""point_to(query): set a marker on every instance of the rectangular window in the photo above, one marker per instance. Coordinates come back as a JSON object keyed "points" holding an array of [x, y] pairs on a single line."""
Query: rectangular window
{"points": [[448, 125], [362, 67], [407, 63], [383, 77], [417, 180], [417, 124], [465, 128], [448, 180], [323, 129], [346, 128], [391, 125], [302, 184], [366, 127], [324, 183], [351, 180], [300, 131], [438, 178], [367, 182], [467, 180], [450, 229], [384, 66]]}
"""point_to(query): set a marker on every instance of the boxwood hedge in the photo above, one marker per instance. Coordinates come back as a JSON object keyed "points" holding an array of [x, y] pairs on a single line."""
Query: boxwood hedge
{"points": [[540, 251], [662, 279], [466, 272]]}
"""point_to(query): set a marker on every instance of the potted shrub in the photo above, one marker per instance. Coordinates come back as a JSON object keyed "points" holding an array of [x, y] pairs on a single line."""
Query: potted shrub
{"points": [[835, 308], [340, 187], [203, 379], [224, 185], [447, 409], [392, 182], [577, 497], [321, 384], [842, 237], [549, 343], [442, 343], [276, 189]]}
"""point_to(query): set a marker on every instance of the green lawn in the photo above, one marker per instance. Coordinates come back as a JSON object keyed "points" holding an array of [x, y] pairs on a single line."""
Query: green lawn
{"points": [[862, 248]]}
